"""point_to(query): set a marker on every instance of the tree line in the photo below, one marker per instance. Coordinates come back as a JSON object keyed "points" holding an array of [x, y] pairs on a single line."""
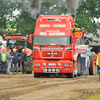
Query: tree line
{"points": [[87, 15]]}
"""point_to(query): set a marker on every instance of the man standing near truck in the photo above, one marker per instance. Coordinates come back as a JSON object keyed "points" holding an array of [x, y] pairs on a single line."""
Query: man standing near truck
{"points": [[16, 56], [23, 59]]}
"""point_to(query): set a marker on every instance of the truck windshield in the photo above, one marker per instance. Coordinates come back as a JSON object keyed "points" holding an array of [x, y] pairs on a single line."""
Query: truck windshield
{"points": [[39, 40], [12, 43]]}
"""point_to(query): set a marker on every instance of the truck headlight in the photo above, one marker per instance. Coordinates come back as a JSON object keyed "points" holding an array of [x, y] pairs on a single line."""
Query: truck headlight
{"points": [[49, 70], [36, 64], [45, 70], [57, 70], [53, 69], [66, 64]]}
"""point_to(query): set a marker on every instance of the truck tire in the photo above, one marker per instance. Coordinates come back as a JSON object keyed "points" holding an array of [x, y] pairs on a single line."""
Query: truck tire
{"points": [[92, 65], [36, 75], [71, 75], [75, 75], [29, 64], [46, 75]]}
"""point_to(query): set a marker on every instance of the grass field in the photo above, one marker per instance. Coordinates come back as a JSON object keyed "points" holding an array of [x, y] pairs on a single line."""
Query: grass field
{"points": [[94, 97], [19, 72]]}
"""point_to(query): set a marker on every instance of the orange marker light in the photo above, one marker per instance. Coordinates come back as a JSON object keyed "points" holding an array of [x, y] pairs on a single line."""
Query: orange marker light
{"points": [[4, 35]]}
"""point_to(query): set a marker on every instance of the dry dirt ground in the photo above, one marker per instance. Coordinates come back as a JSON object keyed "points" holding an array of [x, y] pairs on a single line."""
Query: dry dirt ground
{"points": [[25, 87]]}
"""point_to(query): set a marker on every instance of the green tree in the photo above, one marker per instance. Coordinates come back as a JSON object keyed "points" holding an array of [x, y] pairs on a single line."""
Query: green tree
{"points": [[86, 14], [24, 22]]}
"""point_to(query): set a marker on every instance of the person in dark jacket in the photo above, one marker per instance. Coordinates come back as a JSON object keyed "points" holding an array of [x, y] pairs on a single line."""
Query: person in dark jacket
{"points": [[15, 60], [23, 60]]}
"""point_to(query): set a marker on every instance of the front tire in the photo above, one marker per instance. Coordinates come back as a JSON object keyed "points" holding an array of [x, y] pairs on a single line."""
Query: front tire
{"points": [[29, 64], [71, 75], [75, 75], [36, 75]]}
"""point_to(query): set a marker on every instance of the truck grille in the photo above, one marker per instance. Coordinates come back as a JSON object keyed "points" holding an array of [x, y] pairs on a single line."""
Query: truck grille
{"points": [[52, 54]]}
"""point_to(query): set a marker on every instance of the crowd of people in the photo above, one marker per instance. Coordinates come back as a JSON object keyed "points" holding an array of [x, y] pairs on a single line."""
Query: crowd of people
{"points": [[9, 59]]}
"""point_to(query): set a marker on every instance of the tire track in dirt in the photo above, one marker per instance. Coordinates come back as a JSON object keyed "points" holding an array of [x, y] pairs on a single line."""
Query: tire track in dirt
{"points": [[16, 86], [20, 90], [67, 91]]}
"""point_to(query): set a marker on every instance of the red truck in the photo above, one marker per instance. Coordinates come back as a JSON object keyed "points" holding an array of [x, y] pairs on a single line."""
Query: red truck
{"points": [[54, 46]]}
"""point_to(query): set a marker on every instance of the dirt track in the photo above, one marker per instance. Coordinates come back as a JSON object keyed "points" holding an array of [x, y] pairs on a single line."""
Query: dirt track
{"points": [[25, 87]]}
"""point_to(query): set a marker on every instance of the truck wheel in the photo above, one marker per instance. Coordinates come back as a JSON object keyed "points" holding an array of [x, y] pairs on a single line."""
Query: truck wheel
{"points": [[92, 64], [71, 75], [75, 75], [29, 64], [36, 75], [46, 75], [29, 72]]}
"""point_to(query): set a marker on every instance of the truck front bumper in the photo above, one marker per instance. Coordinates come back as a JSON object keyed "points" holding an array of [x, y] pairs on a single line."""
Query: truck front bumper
{"points": [[43, 66]]}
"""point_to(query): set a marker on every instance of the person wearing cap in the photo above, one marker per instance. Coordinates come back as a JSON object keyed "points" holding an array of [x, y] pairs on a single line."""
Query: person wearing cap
{"points": [[3, 58]]}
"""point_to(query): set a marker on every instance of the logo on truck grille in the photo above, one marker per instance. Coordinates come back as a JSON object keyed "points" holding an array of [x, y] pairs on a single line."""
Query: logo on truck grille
{"points": [[54, 54]]}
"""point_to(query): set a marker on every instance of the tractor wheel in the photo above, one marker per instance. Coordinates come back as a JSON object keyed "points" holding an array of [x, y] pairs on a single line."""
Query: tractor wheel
{"points": [[29, 64], [36, 75], [92, 65]]}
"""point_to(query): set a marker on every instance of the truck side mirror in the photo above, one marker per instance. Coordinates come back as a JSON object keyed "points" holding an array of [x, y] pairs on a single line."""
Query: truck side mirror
{"points": [[31, 39]]}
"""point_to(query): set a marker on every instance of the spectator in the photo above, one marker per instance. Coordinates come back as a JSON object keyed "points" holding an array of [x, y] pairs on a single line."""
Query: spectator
{"points": [[98, 60], [15, 60], [3, 56], [9, 60], [23, 59]]}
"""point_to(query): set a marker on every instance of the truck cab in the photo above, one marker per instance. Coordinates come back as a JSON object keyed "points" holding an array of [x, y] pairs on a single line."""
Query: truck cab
{"points": [[53, 44]]}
